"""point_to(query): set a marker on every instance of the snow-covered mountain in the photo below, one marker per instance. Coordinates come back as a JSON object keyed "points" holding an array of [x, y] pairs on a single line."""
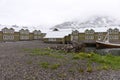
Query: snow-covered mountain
{"points": [[94, 21]]}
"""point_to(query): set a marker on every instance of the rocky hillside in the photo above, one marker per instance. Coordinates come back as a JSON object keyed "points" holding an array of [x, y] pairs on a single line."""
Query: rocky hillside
{"points": [[95, 21]]}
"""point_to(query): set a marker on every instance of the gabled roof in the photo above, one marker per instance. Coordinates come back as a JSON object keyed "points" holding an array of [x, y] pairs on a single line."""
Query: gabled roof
{"points": [[58, 34], [64, 32], [17, 29], [98, 29]]}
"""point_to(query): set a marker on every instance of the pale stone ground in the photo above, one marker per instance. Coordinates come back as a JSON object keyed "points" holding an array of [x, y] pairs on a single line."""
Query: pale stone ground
{"points": [[14, 65]]}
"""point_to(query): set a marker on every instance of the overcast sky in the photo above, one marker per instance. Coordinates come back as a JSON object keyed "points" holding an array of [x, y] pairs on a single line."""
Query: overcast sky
{"points": [[51, 12]]}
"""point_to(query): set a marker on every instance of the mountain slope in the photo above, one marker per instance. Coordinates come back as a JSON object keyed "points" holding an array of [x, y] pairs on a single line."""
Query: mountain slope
{"points": [[95, 21]]}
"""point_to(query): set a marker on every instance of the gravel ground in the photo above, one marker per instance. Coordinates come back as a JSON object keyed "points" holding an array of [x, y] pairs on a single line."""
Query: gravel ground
{"points": [[16, 64]]}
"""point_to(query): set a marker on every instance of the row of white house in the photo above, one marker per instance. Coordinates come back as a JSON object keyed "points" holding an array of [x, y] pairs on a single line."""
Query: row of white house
{"points": [[9, 34], [85, 34]]}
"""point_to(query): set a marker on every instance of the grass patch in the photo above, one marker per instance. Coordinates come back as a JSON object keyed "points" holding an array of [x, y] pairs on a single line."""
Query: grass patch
{"points": [[81, 70], [89, 67], [47, 65], [107, 61], [56, 55], [55, 66], [82, 56], [62, 75], [44, 65], [46, 52], [36, 52], [29, 62]]}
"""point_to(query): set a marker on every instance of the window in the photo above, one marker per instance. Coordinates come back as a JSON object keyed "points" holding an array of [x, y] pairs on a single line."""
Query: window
{"points": [[52, 39], [91, 31], [39, 37], [89, 37], [4, 37], [111, 37], [92, 37], [12, 37], [5, 30], [12, 31], [116, 31], [21, 32], [87, 31], [39, 33], [35, 37], [26, 32], [21, 37], [116, 37], [100, 37], [86, 37], [35, 32], [75, 37], [110, 31]]}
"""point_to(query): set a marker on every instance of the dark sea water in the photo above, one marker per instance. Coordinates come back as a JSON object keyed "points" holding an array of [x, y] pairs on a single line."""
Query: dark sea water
{"points": [[113, 51]]}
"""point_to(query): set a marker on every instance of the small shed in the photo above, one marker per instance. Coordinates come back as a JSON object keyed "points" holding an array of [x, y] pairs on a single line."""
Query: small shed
{"points": [[57, 36]]}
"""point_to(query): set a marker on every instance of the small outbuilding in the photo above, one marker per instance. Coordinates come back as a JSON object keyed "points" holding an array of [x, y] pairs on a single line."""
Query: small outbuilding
{"points": [[57, 36]]}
